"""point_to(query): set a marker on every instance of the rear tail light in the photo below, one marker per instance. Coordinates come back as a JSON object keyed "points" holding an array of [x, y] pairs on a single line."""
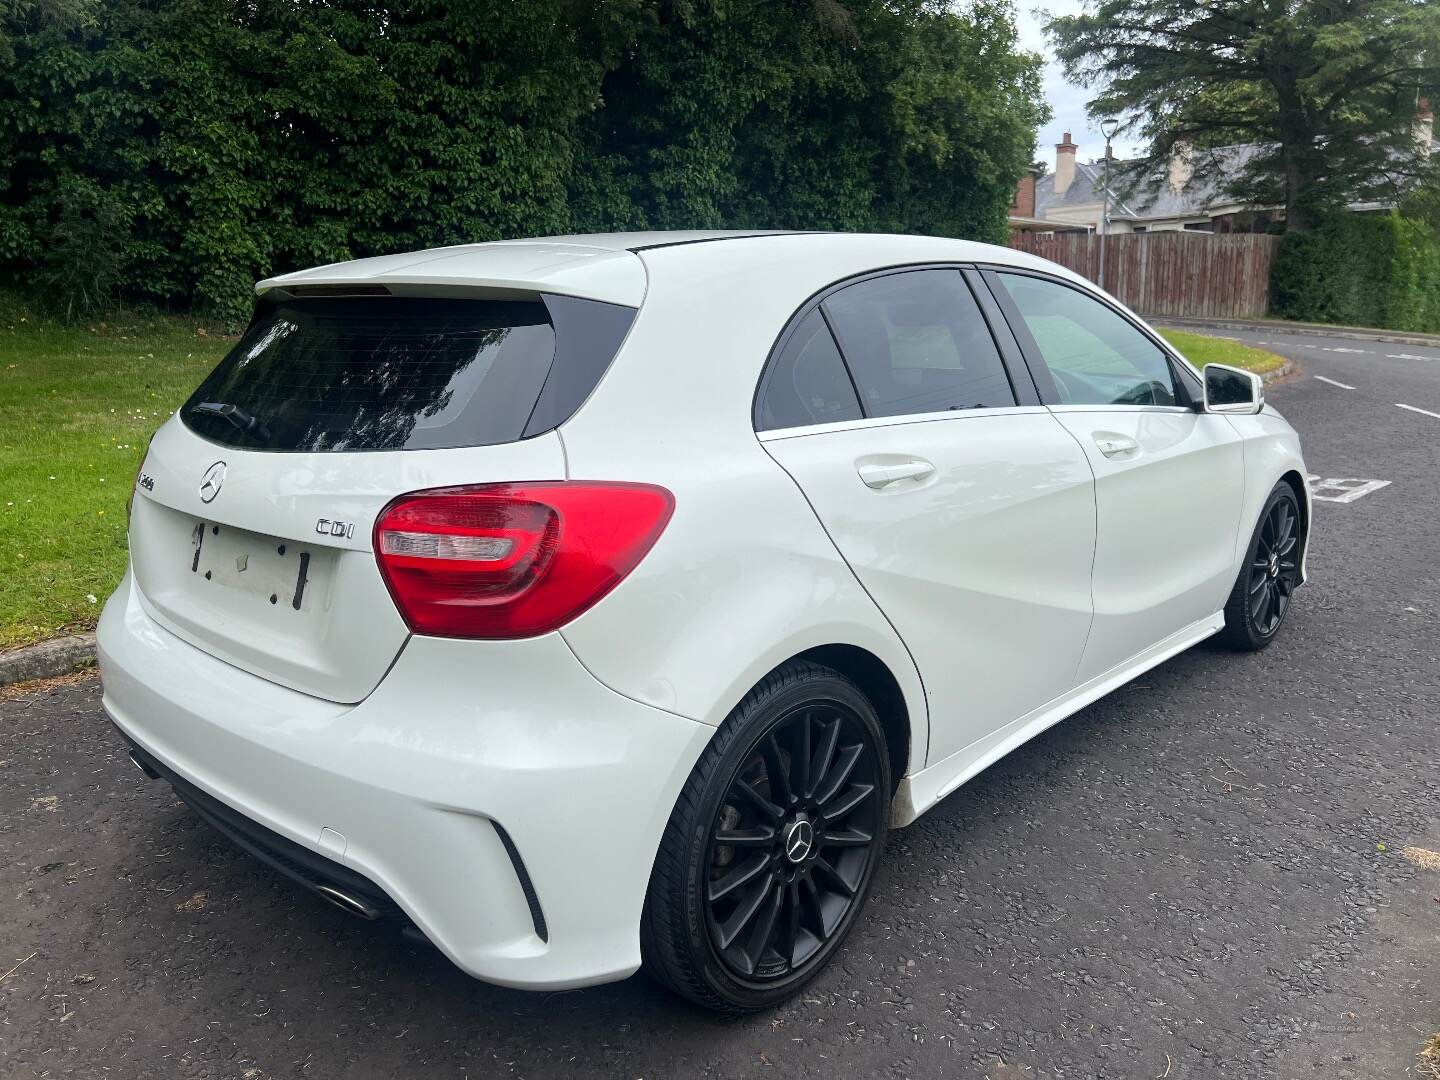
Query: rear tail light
{"points": [[513, 560]]}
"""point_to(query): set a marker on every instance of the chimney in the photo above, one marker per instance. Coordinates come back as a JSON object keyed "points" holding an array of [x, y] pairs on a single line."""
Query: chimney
{"points": [[1181, 167], [1024, 202], [1064, 164], [1424, 125]]}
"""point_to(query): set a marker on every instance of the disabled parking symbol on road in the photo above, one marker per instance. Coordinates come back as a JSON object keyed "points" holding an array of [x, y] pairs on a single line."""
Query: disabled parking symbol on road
{"points": [[1342, 490]]}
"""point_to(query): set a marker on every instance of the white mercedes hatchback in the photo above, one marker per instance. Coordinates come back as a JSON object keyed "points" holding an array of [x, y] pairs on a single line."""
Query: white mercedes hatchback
{"points": [[582, 603]]}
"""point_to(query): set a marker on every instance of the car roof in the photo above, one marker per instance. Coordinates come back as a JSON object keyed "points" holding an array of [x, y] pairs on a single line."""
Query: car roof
{"points": [[611, 267], [655, 238]]}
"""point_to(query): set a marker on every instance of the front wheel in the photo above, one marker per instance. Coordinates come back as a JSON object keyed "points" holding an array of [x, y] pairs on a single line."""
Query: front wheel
{"points": [[771, 849], [1261, 598]]}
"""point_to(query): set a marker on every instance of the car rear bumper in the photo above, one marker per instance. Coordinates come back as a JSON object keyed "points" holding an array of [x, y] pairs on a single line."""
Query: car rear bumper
{"points": [[473, 769]]}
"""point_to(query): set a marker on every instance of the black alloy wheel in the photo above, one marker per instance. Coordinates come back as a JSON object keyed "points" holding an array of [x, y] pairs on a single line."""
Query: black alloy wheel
{"points": [[1275, 567], [773, 844], [791, 842], [1267, 582]]}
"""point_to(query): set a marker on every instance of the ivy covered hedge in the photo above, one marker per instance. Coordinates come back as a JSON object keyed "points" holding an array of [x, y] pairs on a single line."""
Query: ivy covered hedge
{"points": [[177, 150], [1360, 270]]}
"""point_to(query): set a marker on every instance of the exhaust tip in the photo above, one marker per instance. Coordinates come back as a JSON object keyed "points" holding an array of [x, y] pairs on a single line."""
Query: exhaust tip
{"points": [[144, 766], [345, 902]]}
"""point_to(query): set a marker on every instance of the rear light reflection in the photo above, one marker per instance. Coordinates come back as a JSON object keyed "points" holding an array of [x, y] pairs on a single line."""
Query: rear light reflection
{"points": [[513, 560], [486, 549]]}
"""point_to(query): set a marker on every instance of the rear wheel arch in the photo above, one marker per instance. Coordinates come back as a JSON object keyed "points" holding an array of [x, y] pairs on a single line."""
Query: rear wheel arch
{"points": [[879, 684]]}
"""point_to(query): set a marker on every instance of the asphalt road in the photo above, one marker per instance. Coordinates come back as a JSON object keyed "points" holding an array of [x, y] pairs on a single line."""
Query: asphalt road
{"points": [[1203, 875]]}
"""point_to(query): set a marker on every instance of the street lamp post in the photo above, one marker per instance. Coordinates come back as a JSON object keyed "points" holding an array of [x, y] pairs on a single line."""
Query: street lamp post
{"points": [[1108, 127]]}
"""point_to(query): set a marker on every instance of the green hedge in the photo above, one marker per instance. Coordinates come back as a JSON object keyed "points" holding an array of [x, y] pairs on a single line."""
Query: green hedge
{"points": [[176, 150], [1360, 270]]}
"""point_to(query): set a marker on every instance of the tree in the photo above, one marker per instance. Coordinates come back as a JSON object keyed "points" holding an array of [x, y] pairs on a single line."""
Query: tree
{"points": [[20, 17], [878, 115], [198, 145], [177, 150], [1328, 90]]}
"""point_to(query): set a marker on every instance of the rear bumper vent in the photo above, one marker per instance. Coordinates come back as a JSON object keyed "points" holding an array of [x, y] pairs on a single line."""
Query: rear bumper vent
{"points": [[526, 885]]}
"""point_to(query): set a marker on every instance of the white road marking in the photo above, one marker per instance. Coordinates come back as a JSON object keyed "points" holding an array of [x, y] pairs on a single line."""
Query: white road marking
{"points": [[1407, 356], [1334, 382], [1424, 412], [1345, 490], [1344, 350]]}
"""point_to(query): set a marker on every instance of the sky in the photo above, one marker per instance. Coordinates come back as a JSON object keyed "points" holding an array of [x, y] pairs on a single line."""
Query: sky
{"points": [[1066, 99]]}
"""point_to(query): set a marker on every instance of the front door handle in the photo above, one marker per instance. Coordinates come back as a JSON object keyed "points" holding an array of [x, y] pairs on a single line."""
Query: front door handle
{"points": [[1113, 444], [879, 476]]}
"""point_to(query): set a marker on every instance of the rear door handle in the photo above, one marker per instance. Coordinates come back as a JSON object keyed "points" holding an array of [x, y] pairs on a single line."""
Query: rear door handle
{"points": [[1112, 444], [879, 476]]}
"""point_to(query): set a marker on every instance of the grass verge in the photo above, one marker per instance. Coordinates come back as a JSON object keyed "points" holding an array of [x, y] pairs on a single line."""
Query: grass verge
{"points": [[1202, 349], [77, 406]]}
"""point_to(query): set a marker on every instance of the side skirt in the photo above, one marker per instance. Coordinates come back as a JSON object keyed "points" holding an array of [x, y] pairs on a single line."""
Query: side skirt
{"points": [[922, 790]]}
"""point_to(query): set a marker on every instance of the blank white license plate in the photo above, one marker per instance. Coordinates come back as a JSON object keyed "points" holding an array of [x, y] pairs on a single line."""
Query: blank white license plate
{"points": [[274, 571]]}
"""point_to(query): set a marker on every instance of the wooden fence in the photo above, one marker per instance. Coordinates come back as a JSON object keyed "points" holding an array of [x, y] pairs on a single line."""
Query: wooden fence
{"points": [[1195, 274]]}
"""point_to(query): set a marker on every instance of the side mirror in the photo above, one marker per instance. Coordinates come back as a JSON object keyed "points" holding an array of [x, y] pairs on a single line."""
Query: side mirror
{"points": [[1231, 390]]}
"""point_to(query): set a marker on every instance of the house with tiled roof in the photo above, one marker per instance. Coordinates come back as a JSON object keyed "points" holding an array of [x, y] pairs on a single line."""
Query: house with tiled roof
{"points": [[1174, 197]]}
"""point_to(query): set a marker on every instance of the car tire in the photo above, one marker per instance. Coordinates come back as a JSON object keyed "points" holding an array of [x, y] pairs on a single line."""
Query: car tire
{"points": [[1269, 575], [798, 775]]}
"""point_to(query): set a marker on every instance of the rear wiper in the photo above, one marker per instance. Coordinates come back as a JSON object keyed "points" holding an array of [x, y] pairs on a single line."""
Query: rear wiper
{"points": [[246, 422]]}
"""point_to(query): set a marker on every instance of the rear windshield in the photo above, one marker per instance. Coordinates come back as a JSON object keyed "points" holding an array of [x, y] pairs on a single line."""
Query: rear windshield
{"points": [[404, 373]]}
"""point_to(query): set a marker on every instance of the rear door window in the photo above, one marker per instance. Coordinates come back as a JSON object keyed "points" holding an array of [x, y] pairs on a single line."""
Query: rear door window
{"points": [[807, 383], [917, 342], [404, 373]]}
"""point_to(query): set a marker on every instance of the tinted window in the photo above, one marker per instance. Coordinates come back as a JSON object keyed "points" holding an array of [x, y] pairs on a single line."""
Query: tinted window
{"points": [[588, 334], [1094, 356], [806, 383], [916, 342], [396, 373]]}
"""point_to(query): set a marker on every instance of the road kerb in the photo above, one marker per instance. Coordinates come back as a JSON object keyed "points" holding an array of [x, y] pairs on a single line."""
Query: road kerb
{"points": [[47, 659]]}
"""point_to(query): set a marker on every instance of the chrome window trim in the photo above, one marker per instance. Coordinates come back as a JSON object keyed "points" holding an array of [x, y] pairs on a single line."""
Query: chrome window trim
{"points": [[899, 420], [1121, 408]]}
